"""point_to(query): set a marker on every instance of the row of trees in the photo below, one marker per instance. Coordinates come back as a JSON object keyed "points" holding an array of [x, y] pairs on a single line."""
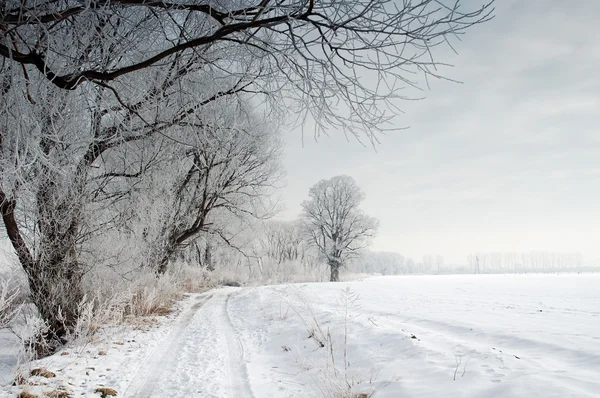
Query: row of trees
{"points": [[522, 262], [390, 263], [131, 129]]}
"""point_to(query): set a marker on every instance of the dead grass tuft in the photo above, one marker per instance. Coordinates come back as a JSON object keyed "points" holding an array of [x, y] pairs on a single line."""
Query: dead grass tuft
{"points": [[25, 394], [162, 311], [43, 373], [19, 380], [105, 392]]}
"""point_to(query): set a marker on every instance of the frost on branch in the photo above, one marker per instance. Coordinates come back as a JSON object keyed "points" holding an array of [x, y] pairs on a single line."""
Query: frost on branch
{"points": [[316, 53]]}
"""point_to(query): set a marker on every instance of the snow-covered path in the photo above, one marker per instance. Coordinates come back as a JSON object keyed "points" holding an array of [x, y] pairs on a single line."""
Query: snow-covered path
{"points": [[202, 357]]}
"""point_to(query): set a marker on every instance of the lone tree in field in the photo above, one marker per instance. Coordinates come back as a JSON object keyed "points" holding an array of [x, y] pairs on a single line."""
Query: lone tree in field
{"points": [[335, 224]]}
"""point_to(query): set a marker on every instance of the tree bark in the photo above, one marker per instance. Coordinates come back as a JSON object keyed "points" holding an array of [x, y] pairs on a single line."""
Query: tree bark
{"points": [[210, 266], [335, 270]]}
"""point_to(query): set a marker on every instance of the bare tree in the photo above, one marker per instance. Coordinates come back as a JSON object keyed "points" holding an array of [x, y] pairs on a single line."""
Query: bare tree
{"points": [[230, 168], [60, 151], [283, 241], [316, 52], [335, 224]]}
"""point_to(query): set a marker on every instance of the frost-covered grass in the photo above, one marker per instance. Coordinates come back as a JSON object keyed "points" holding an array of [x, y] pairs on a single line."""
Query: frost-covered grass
{"points": [[9, 301]]}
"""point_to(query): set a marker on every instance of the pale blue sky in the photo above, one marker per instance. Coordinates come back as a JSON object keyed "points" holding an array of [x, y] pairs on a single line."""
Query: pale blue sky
{"points": [[507, 161]]}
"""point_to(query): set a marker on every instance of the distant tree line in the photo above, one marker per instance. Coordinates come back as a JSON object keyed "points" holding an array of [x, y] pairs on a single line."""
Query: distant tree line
{"points": [[391, 263], [533, 261]]}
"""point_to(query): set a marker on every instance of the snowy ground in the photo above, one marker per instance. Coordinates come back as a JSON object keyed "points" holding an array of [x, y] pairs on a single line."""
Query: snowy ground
{"points": [[420, 336]]}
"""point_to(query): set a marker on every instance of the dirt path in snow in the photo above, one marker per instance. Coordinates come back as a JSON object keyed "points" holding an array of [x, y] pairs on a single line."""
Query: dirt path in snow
{"points": [[202, 357]]}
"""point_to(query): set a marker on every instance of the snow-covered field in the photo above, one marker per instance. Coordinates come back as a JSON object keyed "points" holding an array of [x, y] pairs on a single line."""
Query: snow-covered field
{"points": [[414, 336]]}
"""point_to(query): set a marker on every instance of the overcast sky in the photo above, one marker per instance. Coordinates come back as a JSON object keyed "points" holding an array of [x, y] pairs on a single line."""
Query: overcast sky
{"points": [[507, 161]]}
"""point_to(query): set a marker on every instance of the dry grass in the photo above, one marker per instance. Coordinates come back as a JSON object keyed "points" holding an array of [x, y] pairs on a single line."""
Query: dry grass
{"points": [[25, 394], [19, 380], [154, 296], [43, 373], [57, 394], [105, 392], [9, 302]]}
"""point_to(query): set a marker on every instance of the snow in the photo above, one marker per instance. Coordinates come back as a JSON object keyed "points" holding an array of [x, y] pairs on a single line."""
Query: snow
{"points": [[408, 336], [514, 336], [113, 359], [8, 357], [204, 359]]}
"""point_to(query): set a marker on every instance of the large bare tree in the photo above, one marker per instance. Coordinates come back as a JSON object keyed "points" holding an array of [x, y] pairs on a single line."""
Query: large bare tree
{"points": [[62, 150], [334, 222], [317, 52]]}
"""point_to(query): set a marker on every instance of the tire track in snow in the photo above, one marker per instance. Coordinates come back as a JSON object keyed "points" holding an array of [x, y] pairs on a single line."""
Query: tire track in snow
{"points": [[240, 384], [147, 376], [202, 357]]}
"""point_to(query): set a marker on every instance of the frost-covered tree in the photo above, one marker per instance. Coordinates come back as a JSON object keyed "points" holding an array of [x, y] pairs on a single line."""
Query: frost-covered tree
{"points": [[283, 241], [335, 224], [227, 170], [283, 251], [316, 52], [67, 156], [45, 165]]}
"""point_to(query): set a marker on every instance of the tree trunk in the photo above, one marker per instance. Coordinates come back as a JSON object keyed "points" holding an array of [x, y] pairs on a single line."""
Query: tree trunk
{"points": [[55, 289], [165, 254], [335, 270], [162, 265], [208, 262], [54, 280]]}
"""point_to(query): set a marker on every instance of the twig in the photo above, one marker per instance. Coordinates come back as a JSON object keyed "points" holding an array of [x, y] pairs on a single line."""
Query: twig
{"points": [[465, 368], [458, 360]]}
